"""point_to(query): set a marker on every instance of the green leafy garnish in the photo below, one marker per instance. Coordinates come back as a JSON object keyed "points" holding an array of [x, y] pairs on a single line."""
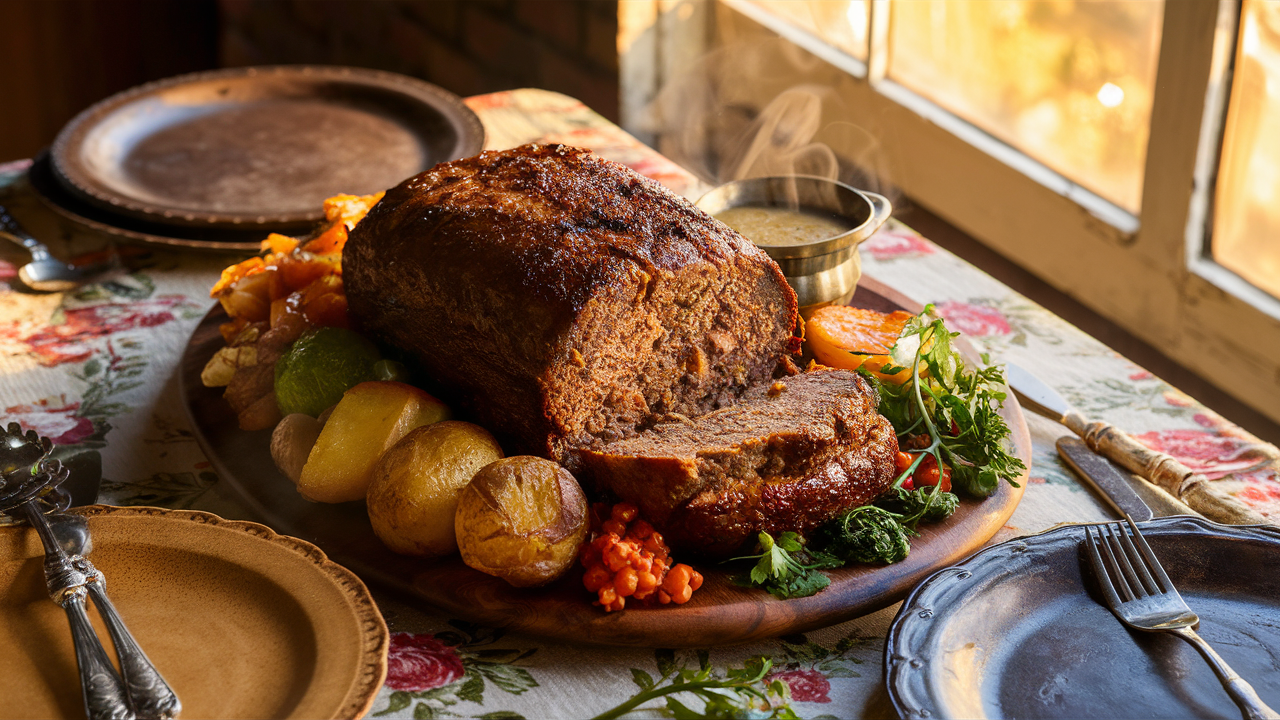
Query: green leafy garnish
{"points": [[736, 695], [951, 414], [927, 503], [780, 571], [866, 534], [957, 410]]}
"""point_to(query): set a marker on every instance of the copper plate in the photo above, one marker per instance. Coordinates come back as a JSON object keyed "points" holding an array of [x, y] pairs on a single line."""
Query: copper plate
{"points": [[719, 613], [242, 622], [1019, 631], [258, 146], [45, 185]]}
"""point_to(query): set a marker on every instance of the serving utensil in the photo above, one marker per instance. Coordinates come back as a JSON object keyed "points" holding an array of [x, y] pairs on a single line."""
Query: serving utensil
{"points": [[148, 693], [29, 474], [46, 273], [1141, 595], [1161, 469]]}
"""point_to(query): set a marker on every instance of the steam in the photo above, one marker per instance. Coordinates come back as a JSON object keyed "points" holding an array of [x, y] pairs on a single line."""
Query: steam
{"points": [[780, 140], [719, 118]]}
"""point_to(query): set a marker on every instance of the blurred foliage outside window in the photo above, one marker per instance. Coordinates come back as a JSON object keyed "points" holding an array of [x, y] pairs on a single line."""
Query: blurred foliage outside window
{"points": [[1246, 216], [1069, 83]]}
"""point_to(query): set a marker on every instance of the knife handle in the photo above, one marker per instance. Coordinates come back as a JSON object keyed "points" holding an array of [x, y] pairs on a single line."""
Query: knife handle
{"points": [[1163, 470]]}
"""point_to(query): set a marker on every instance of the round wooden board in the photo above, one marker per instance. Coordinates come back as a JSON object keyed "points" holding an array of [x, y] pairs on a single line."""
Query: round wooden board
{"points": [[719, 613]]}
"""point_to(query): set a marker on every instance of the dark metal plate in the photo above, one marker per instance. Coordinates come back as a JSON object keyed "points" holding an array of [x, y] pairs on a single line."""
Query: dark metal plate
{"points": [[258, 147], [1019, 631], [45, 185]]}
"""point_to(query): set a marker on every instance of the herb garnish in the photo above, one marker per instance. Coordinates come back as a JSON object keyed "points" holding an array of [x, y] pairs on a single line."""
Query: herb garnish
{"points": [[866, 534], [956, 410], [955, 413], [780, 571], [733, 696], [925, 502]]}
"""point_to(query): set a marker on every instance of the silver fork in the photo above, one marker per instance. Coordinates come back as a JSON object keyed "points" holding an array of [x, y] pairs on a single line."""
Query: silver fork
{"points": [[1139, 592]]}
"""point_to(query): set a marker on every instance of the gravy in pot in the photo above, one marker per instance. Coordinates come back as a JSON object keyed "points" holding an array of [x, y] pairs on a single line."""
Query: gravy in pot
{"points": [[775, 226]]}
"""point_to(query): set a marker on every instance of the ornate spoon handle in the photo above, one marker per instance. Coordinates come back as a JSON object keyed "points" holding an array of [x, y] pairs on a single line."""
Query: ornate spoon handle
{"points": [[104, 691], [151, 696], [104, 694]]}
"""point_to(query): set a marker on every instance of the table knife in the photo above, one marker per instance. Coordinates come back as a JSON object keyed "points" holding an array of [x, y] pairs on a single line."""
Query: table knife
{"points": [[1161, 469], [1103, 477]]}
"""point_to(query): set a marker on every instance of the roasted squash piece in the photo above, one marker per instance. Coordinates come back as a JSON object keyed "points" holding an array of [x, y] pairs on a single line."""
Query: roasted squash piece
{"points": [[847, 337]]}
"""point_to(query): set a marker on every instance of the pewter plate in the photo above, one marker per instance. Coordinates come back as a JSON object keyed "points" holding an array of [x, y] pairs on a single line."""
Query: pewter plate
{"points": [[259, 146], [1018, 631]]}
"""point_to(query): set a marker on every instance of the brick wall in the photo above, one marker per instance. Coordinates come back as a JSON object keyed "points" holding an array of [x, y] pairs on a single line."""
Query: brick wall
{"points": [[465, 46]]}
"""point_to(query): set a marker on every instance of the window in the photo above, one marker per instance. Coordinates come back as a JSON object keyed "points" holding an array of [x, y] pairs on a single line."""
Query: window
{"points": [[1068, 83], [1111, 147], [1246, 218]]}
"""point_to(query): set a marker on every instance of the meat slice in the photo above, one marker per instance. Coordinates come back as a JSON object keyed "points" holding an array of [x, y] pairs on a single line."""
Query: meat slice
{"points": [[789, 456], [560, 299]]}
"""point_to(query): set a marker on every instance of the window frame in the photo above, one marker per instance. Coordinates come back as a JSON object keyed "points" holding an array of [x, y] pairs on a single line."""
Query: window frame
{"points": [[1151, 273]]}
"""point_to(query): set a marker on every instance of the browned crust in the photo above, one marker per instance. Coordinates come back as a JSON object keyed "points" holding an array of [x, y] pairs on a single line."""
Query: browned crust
{"points": [[523, 283], [787, 460]]}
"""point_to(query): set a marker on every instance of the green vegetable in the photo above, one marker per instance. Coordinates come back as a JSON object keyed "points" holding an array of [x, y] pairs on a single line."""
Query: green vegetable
{"points": [[866, 534], [928, 505], [319, 367], [779, 571], [956, 409], [733, 696]]}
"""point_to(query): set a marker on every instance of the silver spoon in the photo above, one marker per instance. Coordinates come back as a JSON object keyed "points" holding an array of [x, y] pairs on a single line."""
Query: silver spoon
{"points": [[150, 695], [27, 472], [30, 479], [105, 697], [46, 273]]}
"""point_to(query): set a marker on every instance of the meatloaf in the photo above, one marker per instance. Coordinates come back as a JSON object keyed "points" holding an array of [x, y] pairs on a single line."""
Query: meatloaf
{"points": [[561, 299], [789, 456]]}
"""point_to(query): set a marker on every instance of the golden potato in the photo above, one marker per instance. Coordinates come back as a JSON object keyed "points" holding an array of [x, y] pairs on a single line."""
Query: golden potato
{"points": [[521, 519], [414, 493], [370, 418]]}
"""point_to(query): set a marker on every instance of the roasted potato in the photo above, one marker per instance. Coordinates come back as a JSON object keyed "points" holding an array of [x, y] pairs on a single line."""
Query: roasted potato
{"points": [[521, 519], [414, 492], [367, 422], [291, 443]]}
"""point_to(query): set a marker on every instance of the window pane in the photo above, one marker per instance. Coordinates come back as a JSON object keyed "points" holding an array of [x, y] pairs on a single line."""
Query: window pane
{"points": [[842, 23], [1246, 215], [1068, 82]]}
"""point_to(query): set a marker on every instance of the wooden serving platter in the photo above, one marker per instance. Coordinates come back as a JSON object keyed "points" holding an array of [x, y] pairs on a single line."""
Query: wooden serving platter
{"points": [[719, 613]]}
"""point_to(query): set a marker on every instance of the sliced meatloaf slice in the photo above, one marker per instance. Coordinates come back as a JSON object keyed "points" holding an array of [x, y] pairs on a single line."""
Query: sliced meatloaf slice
{"points": [[560, 299], [789, 456]]}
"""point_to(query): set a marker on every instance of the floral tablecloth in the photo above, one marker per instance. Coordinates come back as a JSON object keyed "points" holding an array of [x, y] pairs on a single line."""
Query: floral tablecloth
{"points": [[97, 368]]}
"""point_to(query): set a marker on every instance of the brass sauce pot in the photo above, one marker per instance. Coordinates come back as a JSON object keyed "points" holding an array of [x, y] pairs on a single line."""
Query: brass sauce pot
{"points": [[821, 272]]}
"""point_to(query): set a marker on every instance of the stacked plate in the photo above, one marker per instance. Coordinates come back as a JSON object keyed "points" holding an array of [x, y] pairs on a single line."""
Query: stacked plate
{"points": [[218, 159]]}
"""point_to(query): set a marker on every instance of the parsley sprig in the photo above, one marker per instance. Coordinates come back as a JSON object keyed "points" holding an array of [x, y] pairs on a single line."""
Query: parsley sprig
{"points": [[780, 570], [867, 534], [957, 409]]}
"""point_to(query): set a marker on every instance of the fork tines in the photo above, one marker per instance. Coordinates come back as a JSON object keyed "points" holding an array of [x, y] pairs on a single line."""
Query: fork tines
{"points": [[1110, 554]]}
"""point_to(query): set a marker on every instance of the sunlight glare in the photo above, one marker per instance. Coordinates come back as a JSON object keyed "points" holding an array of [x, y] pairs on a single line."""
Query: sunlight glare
{"points": [[1111, 95]]}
